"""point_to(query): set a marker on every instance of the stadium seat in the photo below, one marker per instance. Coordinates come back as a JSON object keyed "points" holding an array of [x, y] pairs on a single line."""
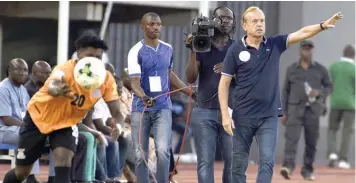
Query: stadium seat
{"points": [[11, 155]]}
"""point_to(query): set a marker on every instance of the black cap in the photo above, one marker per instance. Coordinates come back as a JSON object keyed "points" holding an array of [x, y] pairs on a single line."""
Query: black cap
{"points": [[307, 43]]}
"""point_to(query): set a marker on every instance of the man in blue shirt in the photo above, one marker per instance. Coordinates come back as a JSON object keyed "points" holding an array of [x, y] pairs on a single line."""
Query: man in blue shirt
{"points": [[150, 64], [206, 118], [255, 62], [13, 106]]}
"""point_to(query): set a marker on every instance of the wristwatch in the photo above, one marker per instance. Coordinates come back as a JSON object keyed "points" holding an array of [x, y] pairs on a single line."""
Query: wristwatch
{"points": [[321, 25]]}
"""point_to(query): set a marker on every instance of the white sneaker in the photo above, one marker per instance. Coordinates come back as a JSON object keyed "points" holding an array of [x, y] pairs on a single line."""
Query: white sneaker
{"points": [[344, 165], [333, 156]]}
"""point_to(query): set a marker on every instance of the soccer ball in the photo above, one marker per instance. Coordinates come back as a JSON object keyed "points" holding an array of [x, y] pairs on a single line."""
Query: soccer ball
{"points": [[90, 73]]}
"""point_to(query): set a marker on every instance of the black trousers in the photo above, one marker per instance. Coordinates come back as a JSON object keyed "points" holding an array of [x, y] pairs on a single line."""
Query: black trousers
{"points": [[295, 123]]}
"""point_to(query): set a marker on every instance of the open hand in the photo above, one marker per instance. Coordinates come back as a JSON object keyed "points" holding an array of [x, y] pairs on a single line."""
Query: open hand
{"points": [[218, 68], [330, 23], [101, 138], [228, 125], [188, 41], [63, 90], [116, 132]]}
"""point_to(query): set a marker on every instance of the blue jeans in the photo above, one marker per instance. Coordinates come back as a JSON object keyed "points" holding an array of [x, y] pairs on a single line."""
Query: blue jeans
{"points": [[123, 146], [110, 158], [179, 127], [161, 122], [207, 130], [266, 131]]}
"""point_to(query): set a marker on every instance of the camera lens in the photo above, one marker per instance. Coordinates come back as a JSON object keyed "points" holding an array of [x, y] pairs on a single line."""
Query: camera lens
{"points": [[202, 43]]}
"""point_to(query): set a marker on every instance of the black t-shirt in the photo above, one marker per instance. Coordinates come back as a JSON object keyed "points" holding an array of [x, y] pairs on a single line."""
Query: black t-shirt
{"points": [[31, 88], [208, 79]]}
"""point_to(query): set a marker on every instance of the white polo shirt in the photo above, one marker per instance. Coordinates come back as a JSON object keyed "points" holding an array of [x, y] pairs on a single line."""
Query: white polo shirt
{"points": [[101, 111]]}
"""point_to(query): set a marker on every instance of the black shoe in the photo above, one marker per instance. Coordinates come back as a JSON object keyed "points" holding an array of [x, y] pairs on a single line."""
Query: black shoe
{"points": [[31, 179], [332, 163], [333, 160], [50, 179], [286, 172], [307, 175]]}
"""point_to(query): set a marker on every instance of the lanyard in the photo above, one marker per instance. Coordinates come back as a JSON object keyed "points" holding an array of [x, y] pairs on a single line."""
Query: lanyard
{"points": [[19, 97], [155, 63]]}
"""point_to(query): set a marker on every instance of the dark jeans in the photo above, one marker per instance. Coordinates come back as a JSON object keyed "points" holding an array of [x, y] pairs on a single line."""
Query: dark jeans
{"points": [[265, 130], [207, 130], [335, 118], [294, 126], [179, 127], [161, 122]]}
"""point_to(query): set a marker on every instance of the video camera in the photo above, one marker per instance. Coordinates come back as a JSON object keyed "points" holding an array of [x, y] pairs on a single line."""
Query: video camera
{"points": [[203, 31]]}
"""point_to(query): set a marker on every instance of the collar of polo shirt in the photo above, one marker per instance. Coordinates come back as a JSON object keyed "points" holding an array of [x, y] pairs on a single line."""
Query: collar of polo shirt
{"points": [[312, 63], [243, 39], [347, 60]]}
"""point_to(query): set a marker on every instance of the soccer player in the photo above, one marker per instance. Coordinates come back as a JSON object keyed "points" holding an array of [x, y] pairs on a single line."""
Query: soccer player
{"points": [[55, 110], [254, 60]]}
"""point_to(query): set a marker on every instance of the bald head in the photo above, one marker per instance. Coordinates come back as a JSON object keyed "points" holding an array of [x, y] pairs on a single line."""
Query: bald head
{"points": [[146, 17], [349, 51], [40, 65], [41, 70], [18, 71], [109, 67], [16, 61]]}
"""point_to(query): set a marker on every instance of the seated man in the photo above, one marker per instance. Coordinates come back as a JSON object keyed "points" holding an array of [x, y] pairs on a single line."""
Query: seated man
{"points": [[13, 106], [84, 162], [110, 157], [41, 70], [107, 156]]}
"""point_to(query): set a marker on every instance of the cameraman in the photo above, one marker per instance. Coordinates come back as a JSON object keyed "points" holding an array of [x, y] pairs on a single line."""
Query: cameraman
{"points": [[206, 117]]}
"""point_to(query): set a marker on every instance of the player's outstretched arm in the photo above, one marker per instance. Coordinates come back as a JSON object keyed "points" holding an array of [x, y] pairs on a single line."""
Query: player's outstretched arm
{"points": [[312, 30], [57, 86]]}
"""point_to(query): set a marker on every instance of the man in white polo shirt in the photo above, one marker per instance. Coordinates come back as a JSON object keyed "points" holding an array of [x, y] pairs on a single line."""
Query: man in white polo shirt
{"points": [[111, 157]]}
